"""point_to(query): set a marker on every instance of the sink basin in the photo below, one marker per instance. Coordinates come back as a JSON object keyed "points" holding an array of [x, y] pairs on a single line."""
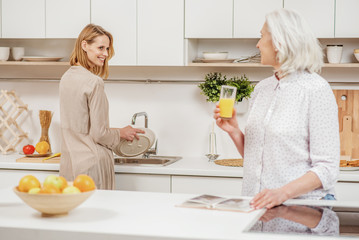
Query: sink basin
{"points": [[151, 161]]}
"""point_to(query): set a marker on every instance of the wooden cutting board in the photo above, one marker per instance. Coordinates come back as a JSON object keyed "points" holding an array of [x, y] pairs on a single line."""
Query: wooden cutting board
{"points": [[38, 160], [348, 114]]}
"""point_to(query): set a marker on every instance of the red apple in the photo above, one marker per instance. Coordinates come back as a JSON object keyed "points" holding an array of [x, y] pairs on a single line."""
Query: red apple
{"points": [[28, 149]]}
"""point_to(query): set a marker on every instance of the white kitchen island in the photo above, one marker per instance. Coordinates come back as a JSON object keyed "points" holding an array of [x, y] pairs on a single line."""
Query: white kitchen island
{"points": [[131, 215]]}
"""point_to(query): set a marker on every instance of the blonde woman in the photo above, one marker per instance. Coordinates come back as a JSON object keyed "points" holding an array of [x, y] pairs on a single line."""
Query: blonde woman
{"points": [[291, 142], [87, 139]]}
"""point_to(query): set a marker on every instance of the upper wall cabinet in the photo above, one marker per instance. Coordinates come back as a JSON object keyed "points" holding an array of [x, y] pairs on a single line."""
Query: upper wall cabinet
{"points": [[249, 16], [319, 14], [23, 18], [160, 36], [66, 18], [347, 19], [120, 19], [209, 18]]}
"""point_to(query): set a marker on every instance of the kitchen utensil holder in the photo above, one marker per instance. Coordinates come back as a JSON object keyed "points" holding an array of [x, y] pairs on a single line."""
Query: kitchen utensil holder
{"points": [[11, 134]]}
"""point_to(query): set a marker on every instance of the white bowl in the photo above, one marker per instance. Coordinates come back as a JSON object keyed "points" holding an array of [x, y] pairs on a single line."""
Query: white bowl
{"points": [[215, 55], [357, 56], [53, 204]]}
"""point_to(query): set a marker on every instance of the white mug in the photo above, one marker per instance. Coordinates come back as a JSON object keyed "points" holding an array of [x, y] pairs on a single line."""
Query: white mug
{"points": [[17, 53], [334, 53], [4, 53]]}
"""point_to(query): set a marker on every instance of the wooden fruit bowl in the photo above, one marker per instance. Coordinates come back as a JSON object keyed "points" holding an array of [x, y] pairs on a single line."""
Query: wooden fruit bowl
{"points": [[53, 204]]}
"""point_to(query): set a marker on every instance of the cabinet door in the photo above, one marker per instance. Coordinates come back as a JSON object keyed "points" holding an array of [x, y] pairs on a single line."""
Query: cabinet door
{"points": [[249, 16], [160, 32], [209, 185], [143, 182], [11, 178], [347, 19], [120, 19], [209, 19], [66, 18], [346, 191], [319, 14], [23, 18]]}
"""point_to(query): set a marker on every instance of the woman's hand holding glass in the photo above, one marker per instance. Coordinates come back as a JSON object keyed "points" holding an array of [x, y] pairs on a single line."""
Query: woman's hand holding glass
{"points": [[129, 133], [228, 125]]}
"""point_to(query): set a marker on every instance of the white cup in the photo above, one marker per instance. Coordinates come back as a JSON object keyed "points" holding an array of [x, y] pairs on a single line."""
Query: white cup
{"points": [[17, 53], [4, 53], [334, 53]]}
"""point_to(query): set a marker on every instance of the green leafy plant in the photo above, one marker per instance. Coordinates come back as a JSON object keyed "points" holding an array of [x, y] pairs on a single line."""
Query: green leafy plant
{"points": [[211, 88]]}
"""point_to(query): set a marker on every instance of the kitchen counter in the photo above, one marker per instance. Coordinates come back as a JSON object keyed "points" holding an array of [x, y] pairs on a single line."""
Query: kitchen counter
{"points": [[188, 166], [134, 215]]}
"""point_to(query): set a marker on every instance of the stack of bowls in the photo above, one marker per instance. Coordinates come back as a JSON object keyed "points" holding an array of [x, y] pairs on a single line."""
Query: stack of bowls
{"points": [[215, 55]]}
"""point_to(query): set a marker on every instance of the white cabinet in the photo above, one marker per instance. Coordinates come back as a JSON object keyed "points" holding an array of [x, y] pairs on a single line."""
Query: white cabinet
{"points": [[143, 182], [319, 14], [23, 18], [160, 37], [346, 19], [208, 185], [11, 178], [66, 18], [346, 191], [209, 18], [120, 19], [249, 16]]}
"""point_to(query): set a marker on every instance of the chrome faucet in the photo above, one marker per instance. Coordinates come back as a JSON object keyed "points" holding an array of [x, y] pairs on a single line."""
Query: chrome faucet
{"points": [[152, 151], [140, 114]]}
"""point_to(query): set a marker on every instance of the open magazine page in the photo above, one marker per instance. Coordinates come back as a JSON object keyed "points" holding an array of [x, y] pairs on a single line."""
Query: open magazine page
{"points": [[208, 200], [218, 203], [234, 204]]}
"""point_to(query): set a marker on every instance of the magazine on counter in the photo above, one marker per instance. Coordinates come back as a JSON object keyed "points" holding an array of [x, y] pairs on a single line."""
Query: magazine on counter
{"points": [[218, 203]]}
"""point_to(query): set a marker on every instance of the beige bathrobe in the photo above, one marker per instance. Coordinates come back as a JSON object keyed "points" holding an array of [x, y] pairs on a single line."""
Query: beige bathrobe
{"points": [[87, 140]]}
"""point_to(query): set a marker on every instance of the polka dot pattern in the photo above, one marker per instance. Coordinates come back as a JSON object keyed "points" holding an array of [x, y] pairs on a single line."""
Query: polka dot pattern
{"points": [[292, 128]]}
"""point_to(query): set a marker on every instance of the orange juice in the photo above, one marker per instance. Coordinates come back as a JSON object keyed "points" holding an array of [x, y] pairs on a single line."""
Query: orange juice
{"points": [[226, 107]]}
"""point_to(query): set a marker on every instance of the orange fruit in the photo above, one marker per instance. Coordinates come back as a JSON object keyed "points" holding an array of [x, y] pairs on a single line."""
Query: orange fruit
{"points": [[42, 147], [84, 182], [27, 182], [50, 189]]}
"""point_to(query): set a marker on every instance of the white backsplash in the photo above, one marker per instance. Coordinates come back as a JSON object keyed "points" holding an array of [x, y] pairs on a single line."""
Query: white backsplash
{"points": [[178, 114]]}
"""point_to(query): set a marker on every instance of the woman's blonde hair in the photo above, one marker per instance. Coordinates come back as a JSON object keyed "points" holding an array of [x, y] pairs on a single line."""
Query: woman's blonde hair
{"points": [[297, 47], [88, 34]]}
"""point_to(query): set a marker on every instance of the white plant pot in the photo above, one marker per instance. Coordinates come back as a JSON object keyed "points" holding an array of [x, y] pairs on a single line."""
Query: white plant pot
{"points": [[242, 107]]}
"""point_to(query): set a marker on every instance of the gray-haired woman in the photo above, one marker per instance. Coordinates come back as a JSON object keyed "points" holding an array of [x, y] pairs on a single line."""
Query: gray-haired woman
{"points": [[291, 142]]}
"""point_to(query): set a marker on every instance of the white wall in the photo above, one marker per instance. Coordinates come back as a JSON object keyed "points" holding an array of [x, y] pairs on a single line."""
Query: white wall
{"points": [[178, 113]]}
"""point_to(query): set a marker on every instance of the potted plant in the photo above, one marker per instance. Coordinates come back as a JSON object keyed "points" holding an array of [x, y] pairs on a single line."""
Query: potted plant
{"points": [[211, 88]]}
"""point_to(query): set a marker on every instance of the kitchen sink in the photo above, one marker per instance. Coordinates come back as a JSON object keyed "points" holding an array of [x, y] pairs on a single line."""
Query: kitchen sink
{"points": [[151, 161]]}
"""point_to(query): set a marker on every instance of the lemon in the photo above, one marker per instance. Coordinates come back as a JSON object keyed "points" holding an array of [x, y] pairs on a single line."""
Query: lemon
{"points": [[42, 147]]}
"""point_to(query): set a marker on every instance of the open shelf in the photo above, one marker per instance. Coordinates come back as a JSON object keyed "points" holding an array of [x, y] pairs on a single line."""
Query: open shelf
{"points": [[24, 63], [326, 65]]}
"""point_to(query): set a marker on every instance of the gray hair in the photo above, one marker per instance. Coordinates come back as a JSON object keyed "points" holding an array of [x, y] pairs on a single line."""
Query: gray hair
{"points": [[297, 47]]}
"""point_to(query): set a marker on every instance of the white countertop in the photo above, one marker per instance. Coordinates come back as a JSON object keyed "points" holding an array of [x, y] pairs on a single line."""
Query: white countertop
{"points": [[189, 166], [132, 215]]}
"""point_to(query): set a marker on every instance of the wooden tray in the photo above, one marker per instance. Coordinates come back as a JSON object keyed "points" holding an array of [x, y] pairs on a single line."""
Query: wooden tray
{"points": [[38, 160], [238, 162]]}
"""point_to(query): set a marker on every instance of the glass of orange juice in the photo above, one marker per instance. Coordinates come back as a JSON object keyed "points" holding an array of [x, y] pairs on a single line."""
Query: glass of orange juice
{"points": [[226, 101]]}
